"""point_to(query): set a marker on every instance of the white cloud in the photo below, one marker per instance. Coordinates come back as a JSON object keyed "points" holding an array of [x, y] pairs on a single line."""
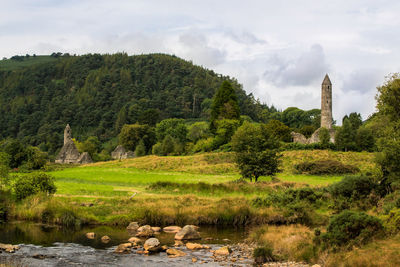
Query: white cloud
{"points": [[279, 50]]}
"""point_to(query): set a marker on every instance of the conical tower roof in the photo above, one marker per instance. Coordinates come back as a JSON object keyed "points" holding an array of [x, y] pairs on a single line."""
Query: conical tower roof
{"points": [[326, 80]]}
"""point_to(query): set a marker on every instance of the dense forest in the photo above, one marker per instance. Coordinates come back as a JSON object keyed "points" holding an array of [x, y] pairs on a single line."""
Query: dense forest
{"points": [[97, 94]]}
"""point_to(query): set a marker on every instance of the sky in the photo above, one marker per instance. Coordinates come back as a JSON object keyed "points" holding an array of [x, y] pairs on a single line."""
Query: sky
{"points": [[279, 50]]}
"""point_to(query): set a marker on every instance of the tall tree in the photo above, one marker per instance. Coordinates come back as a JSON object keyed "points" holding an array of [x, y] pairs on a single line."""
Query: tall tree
{"points": [[388, 105], [225, 105]]}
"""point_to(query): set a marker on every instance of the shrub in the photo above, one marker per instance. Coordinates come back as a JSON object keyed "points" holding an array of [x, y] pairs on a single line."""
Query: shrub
{"points": [[392, 221], [3, 205], [157, 149], [325, 167], [353, 187], [263, 254], [351, 228], [140, 149], [32, 184]]}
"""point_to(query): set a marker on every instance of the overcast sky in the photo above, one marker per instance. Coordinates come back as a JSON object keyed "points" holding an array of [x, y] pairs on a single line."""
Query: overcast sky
{"points": [[279, 50]]}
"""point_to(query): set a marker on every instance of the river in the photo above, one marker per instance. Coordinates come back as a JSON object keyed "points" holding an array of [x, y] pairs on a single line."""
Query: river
{"points": [[45, 245]]}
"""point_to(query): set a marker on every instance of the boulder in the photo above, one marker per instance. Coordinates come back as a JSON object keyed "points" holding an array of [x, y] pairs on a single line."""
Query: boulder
{"points": [[178, 243], [123, 248], [152, 245], [164, 248], [145, 231], [105, 239], [8, 248], [173, 253], [133, 226], [224, 251], [172, 229], [194, 260], [90, 235], [187, 233], [194, 246], [156, 229], [135, 241]]}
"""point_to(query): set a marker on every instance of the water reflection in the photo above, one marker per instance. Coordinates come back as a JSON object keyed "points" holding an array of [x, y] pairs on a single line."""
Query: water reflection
{"points": [[47, 235]]}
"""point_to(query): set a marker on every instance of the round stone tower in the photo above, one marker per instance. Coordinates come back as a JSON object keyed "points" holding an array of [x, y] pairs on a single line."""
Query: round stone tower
{"points": [[326, 103], [67, 134]]}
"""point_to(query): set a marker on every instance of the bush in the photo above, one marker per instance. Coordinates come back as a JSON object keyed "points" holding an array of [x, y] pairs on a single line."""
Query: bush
{"points": [[392, 221], [263, 254], [3, 205], [325, 167], [353, 187], [32, 184], [351, 228]]}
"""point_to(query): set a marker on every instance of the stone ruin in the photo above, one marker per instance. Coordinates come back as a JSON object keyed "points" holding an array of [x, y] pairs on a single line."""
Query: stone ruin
{"points": [[69, 153], [326, 116], [121, 153]]}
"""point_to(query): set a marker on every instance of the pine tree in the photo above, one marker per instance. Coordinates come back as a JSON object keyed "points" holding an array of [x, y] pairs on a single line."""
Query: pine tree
{"points": [[225, 105]]}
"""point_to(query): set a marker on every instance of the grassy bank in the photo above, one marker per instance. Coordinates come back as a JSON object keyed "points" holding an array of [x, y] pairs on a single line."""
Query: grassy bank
{"points": [[198, 189]]}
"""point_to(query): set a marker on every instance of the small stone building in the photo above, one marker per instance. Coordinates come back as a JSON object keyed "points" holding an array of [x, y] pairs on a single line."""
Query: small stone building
{"points": [[121, 153], [69, 153]]}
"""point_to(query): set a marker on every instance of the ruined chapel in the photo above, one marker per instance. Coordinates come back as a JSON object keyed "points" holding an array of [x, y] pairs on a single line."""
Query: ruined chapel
{"points": [[326, 116]]}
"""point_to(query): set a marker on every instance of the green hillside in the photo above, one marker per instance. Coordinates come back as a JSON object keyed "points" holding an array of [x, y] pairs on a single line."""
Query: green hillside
{"points": [[92, 92], [12, 64]]}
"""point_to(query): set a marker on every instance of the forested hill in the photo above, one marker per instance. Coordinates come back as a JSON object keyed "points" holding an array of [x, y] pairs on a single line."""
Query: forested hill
{"points": [[97, 94]]}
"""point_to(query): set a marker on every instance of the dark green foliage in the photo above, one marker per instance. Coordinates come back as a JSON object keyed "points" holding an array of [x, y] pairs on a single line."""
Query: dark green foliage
{"points": [[225, 128], [351, 228], [345, 137], [92, 92], [325, 167], [132, 134], [198, 130], [32, 184], [278, 130], [225, 105], [307, 130], [297, 118], [175, 128], [355, 120], [353, 187], [140, 149], [365, 140], [18, 155], [388, 105], [256, 151], [324, 137], [4, 199], [167, 146], [263, 254], [256, 164]]}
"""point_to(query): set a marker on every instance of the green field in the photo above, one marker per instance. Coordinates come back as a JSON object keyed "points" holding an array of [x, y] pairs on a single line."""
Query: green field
{"points": [[197, 189], [10, 64], [122, 178]]}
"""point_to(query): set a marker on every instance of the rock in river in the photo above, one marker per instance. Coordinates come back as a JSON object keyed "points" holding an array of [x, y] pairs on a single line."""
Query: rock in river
{"points": [[187, 233], [224, 251], [133, 226], [152, 245], [194, 246], [135, 241], [90, 235], [105, 239], [173, 253], [8, 248], [145, 231], [123, 248], [172, 229]]}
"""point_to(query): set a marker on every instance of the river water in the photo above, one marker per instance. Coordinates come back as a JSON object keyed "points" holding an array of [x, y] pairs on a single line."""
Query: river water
{"points": [[44, 245]]}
